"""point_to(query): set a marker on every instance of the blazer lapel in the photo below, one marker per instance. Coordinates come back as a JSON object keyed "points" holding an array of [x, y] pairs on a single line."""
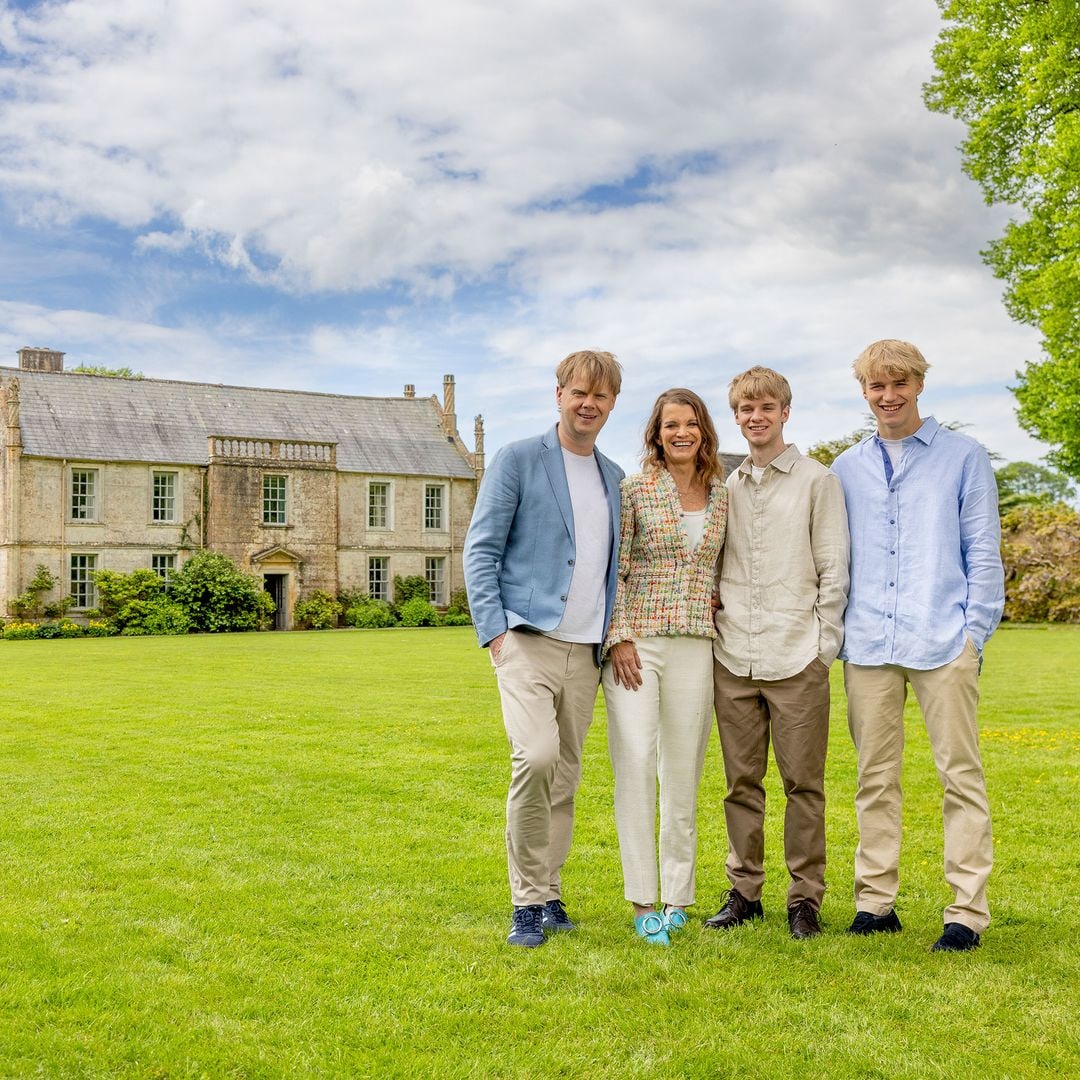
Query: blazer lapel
{"points": [[551, 456]]}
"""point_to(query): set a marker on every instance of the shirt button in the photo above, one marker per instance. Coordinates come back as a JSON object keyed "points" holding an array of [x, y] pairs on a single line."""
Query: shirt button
{"points": [[892, 585], [892, 552], [562, 597], [889, 616], [892, 521], [569, 562]]}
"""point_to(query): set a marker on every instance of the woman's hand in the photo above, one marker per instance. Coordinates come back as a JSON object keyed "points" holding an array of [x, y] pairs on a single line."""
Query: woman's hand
{"points": [[625, 664]]}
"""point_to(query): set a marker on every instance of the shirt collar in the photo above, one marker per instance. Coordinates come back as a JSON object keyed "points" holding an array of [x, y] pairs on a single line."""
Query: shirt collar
{"points": [[784, 461], [925, 434]]}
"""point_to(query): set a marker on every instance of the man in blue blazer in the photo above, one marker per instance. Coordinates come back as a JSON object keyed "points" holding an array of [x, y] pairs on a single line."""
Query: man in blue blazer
{"points": [[540, 567]]}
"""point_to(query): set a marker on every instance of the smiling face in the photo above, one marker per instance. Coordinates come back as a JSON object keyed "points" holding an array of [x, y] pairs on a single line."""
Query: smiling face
{"points": [[680, 435], [583, 411], [762, 421], [894, 401]]}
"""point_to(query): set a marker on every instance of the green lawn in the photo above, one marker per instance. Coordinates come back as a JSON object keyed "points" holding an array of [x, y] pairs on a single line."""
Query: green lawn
{"points": [[282, 854]]}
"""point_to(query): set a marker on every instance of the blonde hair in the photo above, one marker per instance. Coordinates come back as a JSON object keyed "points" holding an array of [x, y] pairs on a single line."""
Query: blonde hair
{"points": [[897, 359], [594, 369], [708, 461], [757, 383]]}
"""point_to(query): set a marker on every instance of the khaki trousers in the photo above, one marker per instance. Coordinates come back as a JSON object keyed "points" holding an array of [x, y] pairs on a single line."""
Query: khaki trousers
{"points": [[548, 690], [795, 713], [661, 730], [949, 698]]}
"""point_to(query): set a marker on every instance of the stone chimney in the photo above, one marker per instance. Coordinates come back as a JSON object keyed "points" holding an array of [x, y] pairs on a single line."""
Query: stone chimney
{"points": [[410, 390], [449, 417], [33, 359]]}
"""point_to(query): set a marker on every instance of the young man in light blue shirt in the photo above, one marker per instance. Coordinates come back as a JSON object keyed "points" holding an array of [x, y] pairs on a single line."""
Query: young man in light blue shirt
{"points": [[927, 591]]}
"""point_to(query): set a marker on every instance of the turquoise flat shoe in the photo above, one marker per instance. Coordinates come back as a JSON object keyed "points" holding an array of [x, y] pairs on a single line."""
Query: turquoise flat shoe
{"points": [[675, 919], [653, 928]]}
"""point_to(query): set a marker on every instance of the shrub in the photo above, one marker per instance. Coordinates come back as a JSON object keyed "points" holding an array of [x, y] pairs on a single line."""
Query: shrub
{"points": [[123, 599], [160, 616], [350, 598], [1040, 547], [97, 628], [218, 596], [319, 611], [418, 612], [370, 615], [70, 629], [410, 588], [456, 618], [19, 631], [47, 630], [28, 604]]}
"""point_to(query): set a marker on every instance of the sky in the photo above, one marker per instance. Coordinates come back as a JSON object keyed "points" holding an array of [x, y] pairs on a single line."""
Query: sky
{"points": [[349, 196]]}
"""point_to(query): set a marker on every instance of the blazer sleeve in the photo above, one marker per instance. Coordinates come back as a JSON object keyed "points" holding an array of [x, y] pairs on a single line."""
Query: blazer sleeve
{"points": [[496, 504], [619, 628]]}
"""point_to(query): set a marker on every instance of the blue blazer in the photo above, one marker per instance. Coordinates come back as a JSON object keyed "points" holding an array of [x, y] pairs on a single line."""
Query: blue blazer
{"points": [[519, 551]]}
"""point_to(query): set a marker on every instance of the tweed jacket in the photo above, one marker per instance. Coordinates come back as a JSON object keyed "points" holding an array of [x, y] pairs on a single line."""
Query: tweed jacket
{"points": [[663, 588]]}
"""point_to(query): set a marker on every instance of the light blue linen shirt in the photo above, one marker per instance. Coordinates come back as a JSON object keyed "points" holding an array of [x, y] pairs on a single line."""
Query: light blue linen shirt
{"points": [[925, 550]]}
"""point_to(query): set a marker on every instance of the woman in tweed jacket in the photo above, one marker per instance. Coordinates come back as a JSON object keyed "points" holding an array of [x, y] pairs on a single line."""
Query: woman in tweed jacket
{"points": [[658, 671]]}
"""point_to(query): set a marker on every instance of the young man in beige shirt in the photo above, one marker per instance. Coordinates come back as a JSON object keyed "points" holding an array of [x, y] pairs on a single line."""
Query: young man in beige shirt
{"points": [[783, 589]]}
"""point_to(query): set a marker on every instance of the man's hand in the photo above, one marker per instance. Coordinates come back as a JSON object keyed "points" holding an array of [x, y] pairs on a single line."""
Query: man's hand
{"points": [[626, 664], [496, 644]]}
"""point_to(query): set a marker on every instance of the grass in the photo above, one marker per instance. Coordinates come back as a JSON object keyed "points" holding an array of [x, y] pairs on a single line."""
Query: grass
{"points": [[282, 855]]}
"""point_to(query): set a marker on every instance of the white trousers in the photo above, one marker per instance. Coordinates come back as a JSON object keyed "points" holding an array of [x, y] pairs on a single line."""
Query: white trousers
{"points": [[660, 731]]}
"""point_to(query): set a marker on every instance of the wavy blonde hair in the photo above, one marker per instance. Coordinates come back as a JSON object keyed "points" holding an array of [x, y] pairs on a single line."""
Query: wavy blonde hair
{"points": [[892, 357], [709, 465]]}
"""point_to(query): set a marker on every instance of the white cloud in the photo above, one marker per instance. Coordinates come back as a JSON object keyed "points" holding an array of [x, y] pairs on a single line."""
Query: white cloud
{"points": [[797, 200]]}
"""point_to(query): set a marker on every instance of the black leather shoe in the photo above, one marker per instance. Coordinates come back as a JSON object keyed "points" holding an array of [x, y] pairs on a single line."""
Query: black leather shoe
{"points": [[737, 909], [865, 923], [803, 920], [956, 938]]}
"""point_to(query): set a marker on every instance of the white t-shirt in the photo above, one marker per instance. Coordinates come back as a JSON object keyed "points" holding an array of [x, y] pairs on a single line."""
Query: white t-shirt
{"points": [[583, 619], [894, 448], [694, 524]]}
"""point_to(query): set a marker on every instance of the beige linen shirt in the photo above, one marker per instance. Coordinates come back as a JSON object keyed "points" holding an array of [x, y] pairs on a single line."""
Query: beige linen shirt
{"points": [[784, 573]]}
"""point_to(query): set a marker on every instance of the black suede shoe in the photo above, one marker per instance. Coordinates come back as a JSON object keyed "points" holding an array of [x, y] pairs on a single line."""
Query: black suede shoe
{"points": [[737, 909], [555, 919], [956, 938], [803, 920], [527, 929], [865, 923]]}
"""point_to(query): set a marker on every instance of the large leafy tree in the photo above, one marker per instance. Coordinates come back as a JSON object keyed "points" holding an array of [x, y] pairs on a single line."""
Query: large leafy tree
{"points": [[1011, 70]]}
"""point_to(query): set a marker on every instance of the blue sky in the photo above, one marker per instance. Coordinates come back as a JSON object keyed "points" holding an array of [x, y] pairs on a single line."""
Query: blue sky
{"points": [[343, 197]]}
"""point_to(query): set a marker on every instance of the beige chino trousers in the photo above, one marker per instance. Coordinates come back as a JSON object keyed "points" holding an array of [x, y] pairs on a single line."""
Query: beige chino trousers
{"points": [[548, 691], [949, 698], [660, 732]]}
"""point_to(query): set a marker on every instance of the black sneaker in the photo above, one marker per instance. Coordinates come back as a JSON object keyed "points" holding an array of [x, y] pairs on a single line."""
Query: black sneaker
{"points": [[555, 920], [865, 923], [527, 929], [737, 909], [956, 938]]}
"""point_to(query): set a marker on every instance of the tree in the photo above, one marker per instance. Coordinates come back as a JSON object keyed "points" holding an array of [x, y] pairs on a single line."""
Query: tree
{"points": [[112, 373], [1020, 483], [827, 452], [1010, 69]]}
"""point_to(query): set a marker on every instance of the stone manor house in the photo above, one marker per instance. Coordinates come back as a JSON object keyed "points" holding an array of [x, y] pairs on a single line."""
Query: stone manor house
{"points": [[307, 491]]}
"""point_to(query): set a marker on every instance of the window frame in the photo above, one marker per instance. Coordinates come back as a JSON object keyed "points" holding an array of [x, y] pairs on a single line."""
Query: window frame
{"points": [[267, 508], [174, 496], [388, 509], [429, 508], [170, 568], [84, 587], [383, 593], [435, 575], [92, 495]]}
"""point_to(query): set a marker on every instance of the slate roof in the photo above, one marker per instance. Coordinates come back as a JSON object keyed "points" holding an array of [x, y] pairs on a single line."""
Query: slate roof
{"points": [[100, 418]]}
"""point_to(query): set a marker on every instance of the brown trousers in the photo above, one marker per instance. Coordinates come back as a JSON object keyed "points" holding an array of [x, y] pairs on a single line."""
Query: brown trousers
{"points": [[794, 712]]}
